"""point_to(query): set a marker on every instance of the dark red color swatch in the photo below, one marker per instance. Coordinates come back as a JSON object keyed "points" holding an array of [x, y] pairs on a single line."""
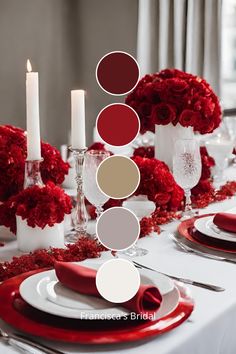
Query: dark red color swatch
{"points": [[118, 124], [117, 73]]}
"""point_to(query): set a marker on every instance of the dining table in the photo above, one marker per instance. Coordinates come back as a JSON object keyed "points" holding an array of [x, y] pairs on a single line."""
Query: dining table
{"points": [[211, 327]]}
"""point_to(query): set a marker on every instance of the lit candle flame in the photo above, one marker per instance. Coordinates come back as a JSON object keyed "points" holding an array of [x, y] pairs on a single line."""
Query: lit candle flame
{"points": [[29, 66]]}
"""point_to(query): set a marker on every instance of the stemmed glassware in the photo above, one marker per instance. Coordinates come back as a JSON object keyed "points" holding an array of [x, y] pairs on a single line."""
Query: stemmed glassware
{"points": [[79, 214], [92, 160], [220, 148], [140, 208], [230, 123], [187, 169]]}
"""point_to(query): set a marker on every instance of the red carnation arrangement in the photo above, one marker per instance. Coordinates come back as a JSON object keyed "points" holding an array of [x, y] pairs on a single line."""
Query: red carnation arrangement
{"points": [[40, 206], [158, 184], [173, 96], [13, 153]]}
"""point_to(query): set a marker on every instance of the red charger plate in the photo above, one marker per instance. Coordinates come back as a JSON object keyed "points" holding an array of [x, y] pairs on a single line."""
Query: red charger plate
{"points": [[16, 312], [187, 230]]}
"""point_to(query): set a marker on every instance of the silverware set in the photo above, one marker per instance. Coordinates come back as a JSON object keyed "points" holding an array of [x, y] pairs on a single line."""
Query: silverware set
{"points": [[188, 249], [26, 345]]}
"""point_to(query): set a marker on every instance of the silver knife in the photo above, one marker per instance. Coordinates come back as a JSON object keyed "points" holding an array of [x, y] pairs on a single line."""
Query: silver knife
{"points": [[183, 280]]}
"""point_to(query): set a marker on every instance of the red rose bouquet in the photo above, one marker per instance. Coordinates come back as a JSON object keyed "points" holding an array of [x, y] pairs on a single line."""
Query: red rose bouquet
{"points": [[173, 96], [12, 161], [40, 206]]}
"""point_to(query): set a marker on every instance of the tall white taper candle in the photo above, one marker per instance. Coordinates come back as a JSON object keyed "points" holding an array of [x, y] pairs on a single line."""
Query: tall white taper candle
{"points": [[78, 119], [32, 114]]}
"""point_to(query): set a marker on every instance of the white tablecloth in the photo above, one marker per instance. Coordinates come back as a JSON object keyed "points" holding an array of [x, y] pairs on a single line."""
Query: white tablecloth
{"points": [[211, 329]]}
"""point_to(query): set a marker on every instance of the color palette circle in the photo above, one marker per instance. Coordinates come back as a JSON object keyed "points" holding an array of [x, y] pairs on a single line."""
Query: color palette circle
{"points": [[117, 73], [118, 124], [113, 285], [118, 177], [118, 228]]}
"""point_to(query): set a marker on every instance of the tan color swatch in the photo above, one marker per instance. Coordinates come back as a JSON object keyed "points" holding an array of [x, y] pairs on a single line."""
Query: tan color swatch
{"points": [[118, 177]]}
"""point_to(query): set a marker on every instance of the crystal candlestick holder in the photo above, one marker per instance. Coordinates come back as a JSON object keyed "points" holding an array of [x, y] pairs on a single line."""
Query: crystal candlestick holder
{"points": [[80, 217], [32, 173]]}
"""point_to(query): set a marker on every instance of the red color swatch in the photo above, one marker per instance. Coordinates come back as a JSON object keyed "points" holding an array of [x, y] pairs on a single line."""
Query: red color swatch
{"points": [[117, 73], [118, 124]]}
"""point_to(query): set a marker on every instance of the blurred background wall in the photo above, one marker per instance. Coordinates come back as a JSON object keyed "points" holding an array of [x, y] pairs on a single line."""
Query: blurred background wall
{"points": [[64, 40]]}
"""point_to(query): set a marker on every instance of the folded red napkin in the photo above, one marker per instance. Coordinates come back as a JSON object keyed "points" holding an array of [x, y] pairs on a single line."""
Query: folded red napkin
{"points": [[83, 280], [225, 221]]}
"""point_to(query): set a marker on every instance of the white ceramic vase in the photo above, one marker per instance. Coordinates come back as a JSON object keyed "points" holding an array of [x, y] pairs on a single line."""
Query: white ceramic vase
{"points": [[32, 238], [165, 138]]}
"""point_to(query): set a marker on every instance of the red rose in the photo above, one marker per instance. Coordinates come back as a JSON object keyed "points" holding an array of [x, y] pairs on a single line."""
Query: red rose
{"points": [[97, 146], [144, 151], [162, 198], [204, 125], [163, 114], [177, 86], [205, 105], [188, 118], [167, 73], [151, 93], [144, 109]]}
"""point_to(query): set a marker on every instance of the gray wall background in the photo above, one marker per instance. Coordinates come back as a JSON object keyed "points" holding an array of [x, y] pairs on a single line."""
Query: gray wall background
{"points": [[64, 40]]}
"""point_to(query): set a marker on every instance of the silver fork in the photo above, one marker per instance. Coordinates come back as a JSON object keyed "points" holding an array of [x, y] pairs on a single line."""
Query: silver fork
{"points": [[188, 249], [21, 343]]}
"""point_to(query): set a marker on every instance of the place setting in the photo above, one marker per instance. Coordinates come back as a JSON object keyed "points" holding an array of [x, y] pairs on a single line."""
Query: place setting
{"points": [[52, 305], [212, 232]]}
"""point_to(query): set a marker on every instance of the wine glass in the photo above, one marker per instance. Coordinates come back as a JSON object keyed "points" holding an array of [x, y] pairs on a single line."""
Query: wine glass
{"points": [[92, 160], [230, 123], [140, 207], [220, 148], [187, 169]]}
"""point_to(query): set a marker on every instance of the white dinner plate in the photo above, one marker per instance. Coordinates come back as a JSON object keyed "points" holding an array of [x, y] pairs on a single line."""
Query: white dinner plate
{"points": [[44, 292], [206, 226]]}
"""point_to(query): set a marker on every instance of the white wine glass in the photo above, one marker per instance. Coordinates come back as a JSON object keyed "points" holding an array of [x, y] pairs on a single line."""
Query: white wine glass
{"points": [[220, 148], [141, 208], [187, 168], [93, 194]]}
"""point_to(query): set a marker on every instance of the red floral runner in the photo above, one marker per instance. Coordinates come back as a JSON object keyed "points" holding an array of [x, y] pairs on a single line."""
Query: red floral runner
{"points": [[83, 249]]}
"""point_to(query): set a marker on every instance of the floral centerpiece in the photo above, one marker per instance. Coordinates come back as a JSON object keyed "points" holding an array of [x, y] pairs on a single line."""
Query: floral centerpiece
{"points": [[13, 152], [174, 104], [36, 214], [158, 184]]}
